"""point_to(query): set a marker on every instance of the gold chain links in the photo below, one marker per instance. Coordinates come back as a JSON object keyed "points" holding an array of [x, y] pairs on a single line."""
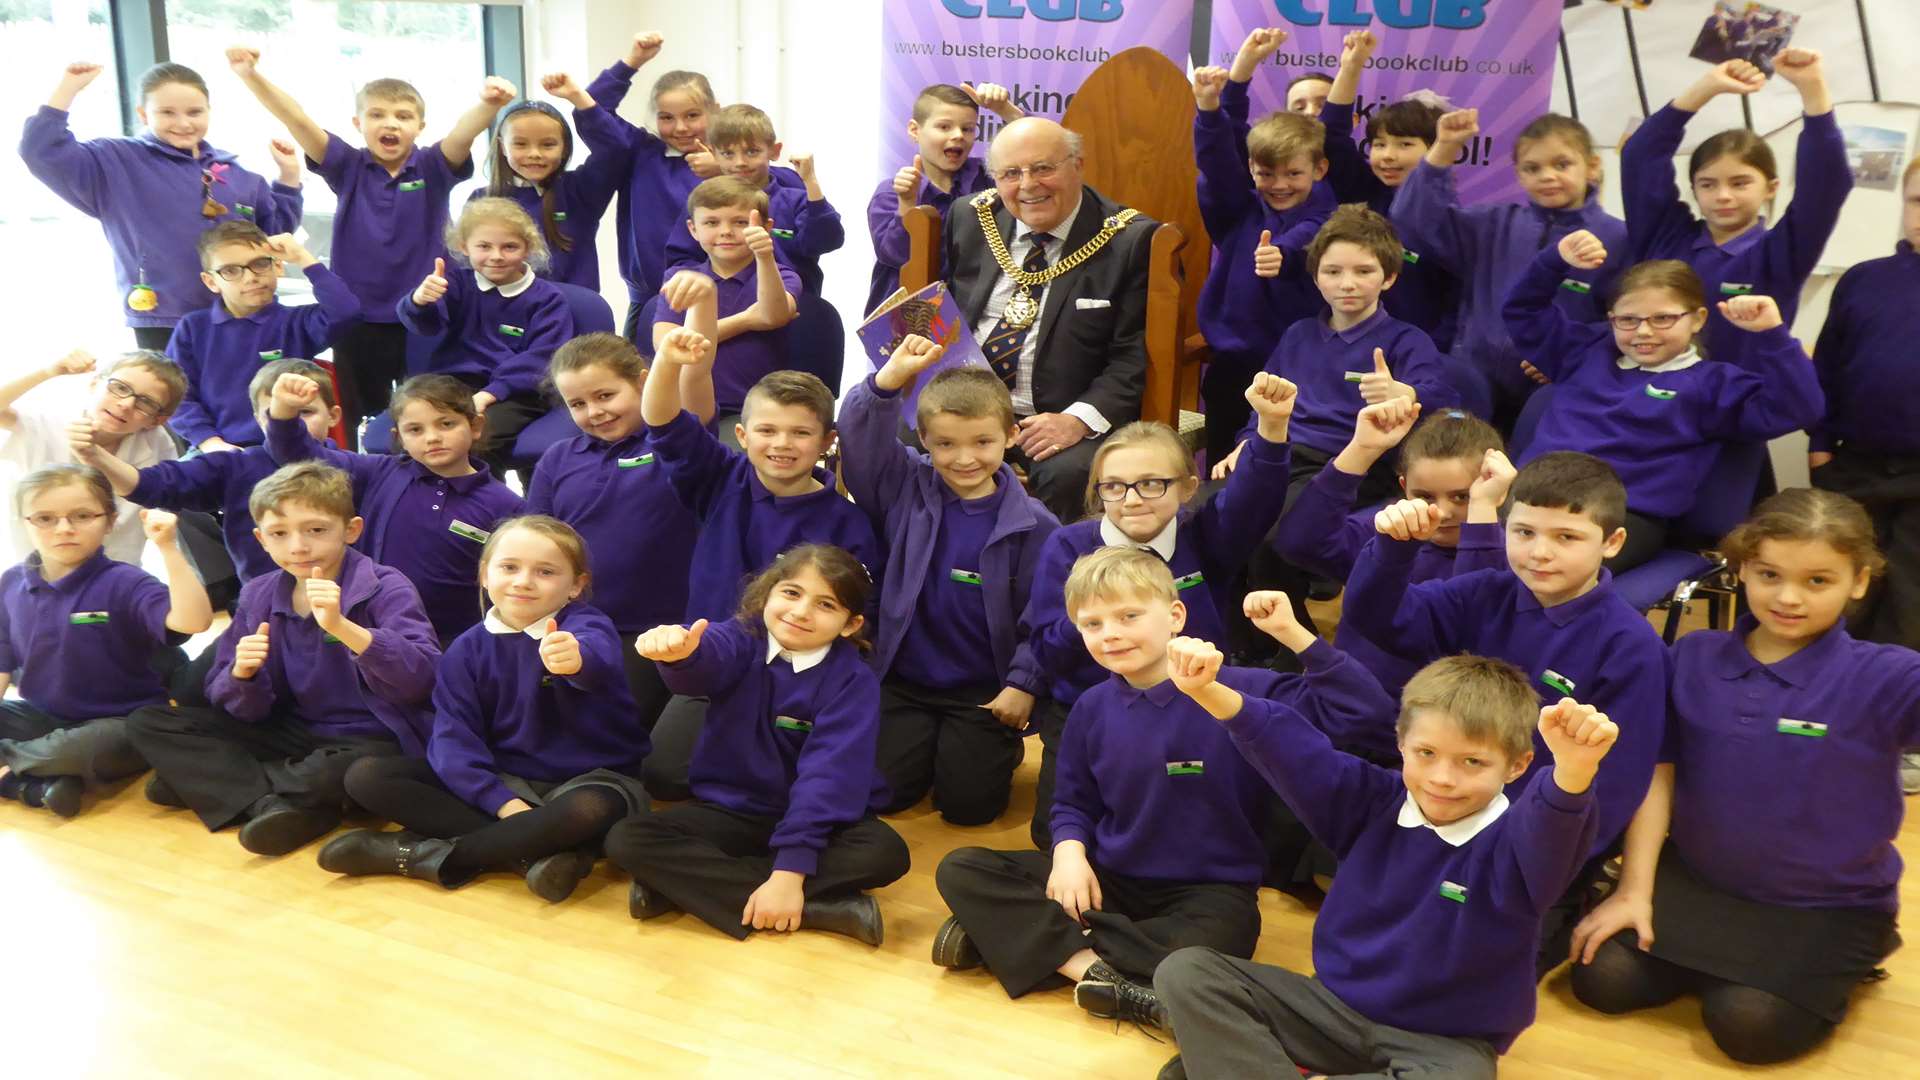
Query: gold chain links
{"points": [[1021, 309]]}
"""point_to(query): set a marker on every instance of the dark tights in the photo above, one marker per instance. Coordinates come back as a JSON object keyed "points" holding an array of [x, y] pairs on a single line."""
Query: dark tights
{"points": [[1749, 1025], [407, 791]]}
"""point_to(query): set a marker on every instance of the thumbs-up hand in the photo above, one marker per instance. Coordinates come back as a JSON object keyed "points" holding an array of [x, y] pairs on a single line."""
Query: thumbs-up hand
{"points": [[906, 184], [759, 240], [433, 286], [1378, 385], [1273, 399], [323, 596], [668, 644], [1266, 257], [702, 162], [1208, 82], [687, 288], [1577, 736], [1751, 313], [1582, 250], [994, 98], [1408, 519], [559, 650], [249, 653]]}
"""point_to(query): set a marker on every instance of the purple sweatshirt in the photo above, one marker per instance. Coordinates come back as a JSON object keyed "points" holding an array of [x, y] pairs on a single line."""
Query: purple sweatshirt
{"points": [[1326, 364], [1419, 933], [1320, 532], [891, 248], [496, 709], [1786, 775], [815, 226], [580, 197], [1595, 649], [310, 678], [427, 526], [1150, 783], [1864, 357], [796, 745], [1211, 543], [1658, 428], [743, 526], [1765, 262], [221, 353], [495, 342], [84, 645], [387, 229], [743, 359], [1424, 295], [1486, 247], [653, 200], [616, 496], [219, 483], [1240, 312], [148, 198], [906, 500]]}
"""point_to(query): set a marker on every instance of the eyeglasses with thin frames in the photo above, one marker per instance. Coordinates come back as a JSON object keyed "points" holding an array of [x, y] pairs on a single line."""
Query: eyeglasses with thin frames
{"points": [[1039, 170], [79, 519], [1147, 487], [141, 403], [1666, 320]]}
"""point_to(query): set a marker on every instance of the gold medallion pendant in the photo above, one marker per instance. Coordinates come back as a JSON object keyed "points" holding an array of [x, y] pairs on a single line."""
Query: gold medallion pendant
{"points": [[1021, 309]]}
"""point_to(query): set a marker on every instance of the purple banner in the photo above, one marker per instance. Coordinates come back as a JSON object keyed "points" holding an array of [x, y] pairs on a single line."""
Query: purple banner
{"points": [[1040, 50], [1494, 55]]}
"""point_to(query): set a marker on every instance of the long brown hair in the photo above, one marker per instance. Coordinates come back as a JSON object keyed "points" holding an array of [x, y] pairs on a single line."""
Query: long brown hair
{"points": [[843, 573], [500, 174]]}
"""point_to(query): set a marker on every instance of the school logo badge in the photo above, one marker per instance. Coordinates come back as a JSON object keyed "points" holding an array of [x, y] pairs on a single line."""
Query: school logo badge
{"points": [[88, 618], [1188, 581], [1735, 288], [964, 577], [412, 185], [1453, 891], [1557, 682], [461, 528], [1807, 728], [1186, 768], [513, 331], [793, 723], [1658, 394], [634, 462], [268, 356], [1573, 286]]}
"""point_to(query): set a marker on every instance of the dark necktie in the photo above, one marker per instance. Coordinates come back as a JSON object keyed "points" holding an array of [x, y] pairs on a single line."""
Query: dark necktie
{"points": [[1002, 347]]}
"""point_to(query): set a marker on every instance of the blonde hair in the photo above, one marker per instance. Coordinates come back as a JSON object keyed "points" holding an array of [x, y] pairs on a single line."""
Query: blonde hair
{"points": [[562, 534], [315, 483], [723, 192], [969, 392], [496, 211], [160, 367], [691, 81], [389, 90], [1283, 136], [740, 125], [1489, 700], [598, 349], [1140, 433], [1114, 572], [40, 481]]}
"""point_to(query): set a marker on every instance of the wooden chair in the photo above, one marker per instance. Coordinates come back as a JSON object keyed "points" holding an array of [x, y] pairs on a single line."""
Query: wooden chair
{"points": [[1135, 113]]}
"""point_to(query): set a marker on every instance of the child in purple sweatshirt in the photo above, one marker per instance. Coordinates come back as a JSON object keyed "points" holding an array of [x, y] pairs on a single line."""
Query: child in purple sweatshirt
{"points": [[1422, 951], [1733, 175], [963, 542], [1157, 822], [535, 747], [783, 768], [330, 661]]}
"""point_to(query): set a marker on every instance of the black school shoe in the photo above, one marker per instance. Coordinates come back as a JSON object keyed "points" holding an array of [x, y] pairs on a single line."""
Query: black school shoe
{"points": [[554, 877], [953, 949], [161, 793], [644, 903], [62, 795], [1109, 995], [278, 827], [857, 916], [366, 852]]}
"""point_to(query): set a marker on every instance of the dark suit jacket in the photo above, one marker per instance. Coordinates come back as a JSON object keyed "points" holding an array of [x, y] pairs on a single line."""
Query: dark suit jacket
{"points": [[1095, 355]]}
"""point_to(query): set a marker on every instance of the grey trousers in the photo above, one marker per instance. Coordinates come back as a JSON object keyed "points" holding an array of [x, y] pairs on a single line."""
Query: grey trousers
{"points": [[34, 743], [1238, 1019]]}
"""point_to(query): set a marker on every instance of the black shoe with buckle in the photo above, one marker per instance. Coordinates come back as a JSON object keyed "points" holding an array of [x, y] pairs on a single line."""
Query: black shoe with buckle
{"points": [[857, 916], [277, 826], [366, 852], [1109, 995], [554, 877], [644, 902], [953, 949]]}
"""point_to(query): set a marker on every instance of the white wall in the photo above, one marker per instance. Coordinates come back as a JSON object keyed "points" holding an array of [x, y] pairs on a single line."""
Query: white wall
{"points": [[814, 66]]}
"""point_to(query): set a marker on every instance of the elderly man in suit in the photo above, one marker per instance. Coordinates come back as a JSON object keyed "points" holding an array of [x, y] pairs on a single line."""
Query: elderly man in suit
{"points": [[1053, 278]]}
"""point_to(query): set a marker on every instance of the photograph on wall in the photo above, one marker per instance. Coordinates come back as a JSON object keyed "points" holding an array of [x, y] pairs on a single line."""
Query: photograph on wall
{"points": [[1875, 154]]}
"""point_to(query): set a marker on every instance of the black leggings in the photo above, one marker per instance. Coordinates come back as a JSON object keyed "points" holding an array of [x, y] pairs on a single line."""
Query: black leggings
{"points": [[407, 790], [1749, 1025]]}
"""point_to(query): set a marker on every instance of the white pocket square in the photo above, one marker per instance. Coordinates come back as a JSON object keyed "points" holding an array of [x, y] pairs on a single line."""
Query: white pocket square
{"points": [[1088, 303]]}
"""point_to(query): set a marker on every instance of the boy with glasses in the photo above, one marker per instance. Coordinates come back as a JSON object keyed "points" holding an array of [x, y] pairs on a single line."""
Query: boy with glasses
{"points": [[221, 348], [124, 409]]}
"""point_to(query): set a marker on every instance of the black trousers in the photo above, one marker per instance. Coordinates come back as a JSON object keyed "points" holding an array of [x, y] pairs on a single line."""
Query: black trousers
{"points": [[153, 338], [1000, 898], [37, 743], [407, 791], [1223, 392], [708, 860], [1061, 480], [649, 690], [944, 741], [675, 734], [1556, 926], [220, 766], [1051, 717], [1646, 537], [367, 363], [1888, 485]]}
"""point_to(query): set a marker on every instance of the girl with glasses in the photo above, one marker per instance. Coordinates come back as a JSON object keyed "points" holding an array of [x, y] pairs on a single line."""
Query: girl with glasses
{"points": [[1635, 392], [83, 631]]}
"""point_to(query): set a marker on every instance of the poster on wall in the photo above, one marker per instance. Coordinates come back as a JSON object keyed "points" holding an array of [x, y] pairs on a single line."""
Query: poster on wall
{"points": [[1494, 55], [1040, 50]]}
